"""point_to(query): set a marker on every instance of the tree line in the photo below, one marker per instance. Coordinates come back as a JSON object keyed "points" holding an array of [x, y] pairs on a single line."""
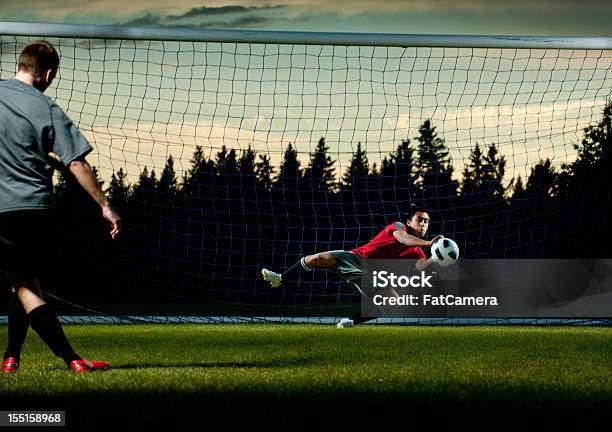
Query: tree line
{"points": [[205, 236]]}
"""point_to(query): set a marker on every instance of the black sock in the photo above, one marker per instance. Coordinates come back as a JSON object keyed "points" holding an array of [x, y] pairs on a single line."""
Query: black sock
{"points": [[297, 269], [18, 323], [45, 323], [361, 320]]}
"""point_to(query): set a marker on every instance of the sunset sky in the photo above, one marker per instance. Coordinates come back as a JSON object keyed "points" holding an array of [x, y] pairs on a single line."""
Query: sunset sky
{"points": [[141, 102], [526, 17]]}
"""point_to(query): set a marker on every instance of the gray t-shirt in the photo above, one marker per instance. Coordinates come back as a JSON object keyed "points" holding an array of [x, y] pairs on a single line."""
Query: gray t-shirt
{"points": [[32, 126]]}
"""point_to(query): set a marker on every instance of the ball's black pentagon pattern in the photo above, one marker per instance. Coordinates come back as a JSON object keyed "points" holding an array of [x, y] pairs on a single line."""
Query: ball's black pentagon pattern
{"points": [[445, 252]]}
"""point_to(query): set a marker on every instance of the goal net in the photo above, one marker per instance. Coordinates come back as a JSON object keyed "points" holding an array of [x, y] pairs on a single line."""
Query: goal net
{"points": [[224, 155]]}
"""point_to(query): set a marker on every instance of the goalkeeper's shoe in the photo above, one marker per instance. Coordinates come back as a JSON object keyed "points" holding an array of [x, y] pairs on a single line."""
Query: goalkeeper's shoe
{"points": [[274, 278], [88, 366], [345, 323], [10, 364]]}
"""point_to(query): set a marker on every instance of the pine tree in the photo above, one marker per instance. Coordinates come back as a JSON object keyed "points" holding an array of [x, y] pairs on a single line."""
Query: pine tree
{"points": [[385, 166], [264, 170], [473, 173], [399, 167], [145, 189], [433, 156], [287, 189], [196, 161], [226, 163], [396, 182], [168, 182], [290, 171], [593, 165], [541, 181], [434, 168], [596, 145], [494, 171], [518, 189], [374, 171], [197, 180], [483, 176], [585, 190], [118, 190], [246, 164], [404, 158], [320, 172], [247, 187], [355, 176]]}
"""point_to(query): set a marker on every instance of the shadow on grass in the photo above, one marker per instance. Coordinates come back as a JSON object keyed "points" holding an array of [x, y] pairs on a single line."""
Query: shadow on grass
{"points": [[208, 365]]}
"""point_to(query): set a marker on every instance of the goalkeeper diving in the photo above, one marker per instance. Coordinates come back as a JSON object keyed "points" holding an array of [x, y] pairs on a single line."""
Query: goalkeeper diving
{"points": [[395, 241]]}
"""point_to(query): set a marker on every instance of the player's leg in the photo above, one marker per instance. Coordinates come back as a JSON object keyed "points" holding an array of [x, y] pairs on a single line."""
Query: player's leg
{"points": [[321, 260], [44, 321], [29, 294], [356, 320], [14, 262], [18, 323], [301, 267], [353, 269]]}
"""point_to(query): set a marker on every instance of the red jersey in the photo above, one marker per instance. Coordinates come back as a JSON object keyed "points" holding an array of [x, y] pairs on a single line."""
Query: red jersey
{"points": [[386, 246]]}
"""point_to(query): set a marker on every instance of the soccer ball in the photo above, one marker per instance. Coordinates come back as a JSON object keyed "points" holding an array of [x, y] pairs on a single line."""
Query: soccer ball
{"points": [[445, 252]]}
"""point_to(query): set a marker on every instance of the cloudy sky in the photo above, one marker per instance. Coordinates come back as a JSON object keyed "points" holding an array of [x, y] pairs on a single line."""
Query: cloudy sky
{"points": [[527, 17], [138, 103]]}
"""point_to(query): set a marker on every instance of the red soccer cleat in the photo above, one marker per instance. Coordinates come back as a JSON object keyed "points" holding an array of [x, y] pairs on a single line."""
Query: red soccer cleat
{"points": [[88, 366], [10, 364]]}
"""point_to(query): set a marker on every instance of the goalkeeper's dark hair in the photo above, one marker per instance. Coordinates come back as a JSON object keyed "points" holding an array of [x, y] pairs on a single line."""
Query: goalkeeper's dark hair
{"points": [[415, 208], [37, 58]]}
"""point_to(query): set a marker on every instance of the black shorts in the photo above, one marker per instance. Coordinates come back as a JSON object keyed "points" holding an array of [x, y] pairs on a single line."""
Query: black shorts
{"points": [[26, 240], [354, 270]]}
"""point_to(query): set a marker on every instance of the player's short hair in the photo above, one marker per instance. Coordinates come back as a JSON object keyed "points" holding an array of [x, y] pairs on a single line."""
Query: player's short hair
{"points": [[417, 208], [38, 57]]}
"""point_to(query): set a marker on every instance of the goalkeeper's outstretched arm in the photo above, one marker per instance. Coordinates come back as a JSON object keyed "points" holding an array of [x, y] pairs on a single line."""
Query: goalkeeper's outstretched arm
{"points": [[423, 264], [412, 241]]}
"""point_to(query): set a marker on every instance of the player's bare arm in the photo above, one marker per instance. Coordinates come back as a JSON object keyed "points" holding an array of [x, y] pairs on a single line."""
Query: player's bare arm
{"points": [[423, 264], [412, 241], [84, 174]]}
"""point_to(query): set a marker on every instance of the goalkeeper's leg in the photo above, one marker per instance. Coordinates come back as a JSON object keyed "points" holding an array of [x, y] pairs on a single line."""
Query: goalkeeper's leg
{"points": [[301, 267], [356, 320]]}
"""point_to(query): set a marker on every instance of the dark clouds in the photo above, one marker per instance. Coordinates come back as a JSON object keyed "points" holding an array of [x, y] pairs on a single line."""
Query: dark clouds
{"points": [[206, 11], [146, 20], [237, 16], [240, 22], [223, 10]]}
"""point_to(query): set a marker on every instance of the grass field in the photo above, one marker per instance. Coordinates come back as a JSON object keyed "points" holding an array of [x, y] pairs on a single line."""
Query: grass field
{"points": [[318, 377]]}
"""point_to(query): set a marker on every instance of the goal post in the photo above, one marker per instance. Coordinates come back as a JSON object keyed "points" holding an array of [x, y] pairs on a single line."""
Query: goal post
{"points": [[226, 151]]}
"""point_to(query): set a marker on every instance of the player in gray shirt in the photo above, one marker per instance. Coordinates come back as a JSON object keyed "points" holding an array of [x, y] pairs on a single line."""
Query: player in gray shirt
{"points": [[33, 127]]}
